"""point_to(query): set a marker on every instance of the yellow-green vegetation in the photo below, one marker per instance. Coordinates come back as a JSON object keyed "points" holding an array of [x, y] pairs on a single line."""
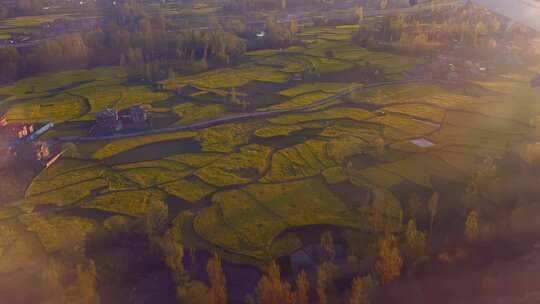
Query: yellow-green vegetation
{"points": [[196, 160], [399, 127], [247, 221], [139, 95], [59, 233], [375, 176], [327, 65], [233, 77], [19, 248], [46, 182], [64, 196], [123, 145], [42, 84], [272, 131], [302, 160], [329, 87], [133, 203], [300, 101], [430, 167], [422, 111], [63, 166], [150, 173], [191, 191], [28, 21], [412, 92], [56, 109], [334, 175], [236, 168], [327, 114], [223, 138], [191, 113]]}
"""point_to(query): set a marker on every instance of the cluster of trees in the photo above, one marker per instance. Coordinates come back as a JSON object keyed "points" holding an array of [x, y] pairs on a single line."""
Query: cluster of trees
{"points": [[142, 43], [424, 34], [498, 204]]}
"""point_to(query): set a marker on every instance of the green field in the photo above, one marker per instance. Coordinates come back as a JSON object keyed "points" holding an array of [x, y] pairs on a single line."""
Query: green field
{"points": [[249, 181]]}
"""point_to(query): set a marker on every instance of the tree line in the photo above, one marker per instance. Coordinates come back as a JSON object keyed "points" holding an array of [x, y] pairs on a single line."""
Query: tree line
{"points": [[145, 44]]}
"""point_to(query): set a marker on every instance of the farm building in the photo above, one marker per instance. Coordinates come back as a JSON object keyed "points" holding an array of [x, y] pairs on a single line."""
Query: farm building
{"points": [[36, 154], [15, 130], [108, 121], [134, 115]]}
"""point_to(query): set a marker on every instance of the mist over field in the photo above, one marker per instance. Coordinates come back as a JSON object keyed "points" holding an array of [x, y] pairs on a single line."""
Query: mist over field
{"points": [[264, 151]]}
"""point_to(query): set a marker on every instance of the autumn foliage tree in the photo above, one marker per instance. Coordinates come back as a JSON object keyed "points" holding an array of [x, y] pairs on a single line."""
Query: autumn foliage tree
{"points": [[390, 262], [327, 245], [218, 291], [471, 226], [325, 276], [416, 241], [272, 290], [433, 206], [302, 288]]}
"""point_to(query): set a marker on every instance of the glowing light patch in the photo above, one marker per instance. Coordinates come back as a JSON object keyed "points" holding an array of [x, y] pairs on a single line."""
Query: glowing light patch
{"points": [[526, 12]]}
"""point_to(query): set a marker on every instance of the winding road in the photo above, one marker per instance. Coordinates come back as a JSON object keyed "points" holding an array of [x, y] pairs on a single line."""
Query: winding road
{"points": [[229, 119]]}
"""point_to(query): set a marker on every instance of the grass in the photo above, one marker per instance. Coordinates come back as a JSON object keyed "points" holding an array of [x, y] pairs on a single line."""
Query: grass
{"points": [[196, 160], [272, 131], [64, 196], [300, 101], [236, 168], [48, 82], [192, 113], [405, 126], [150, 176], [29, 21], [123, 145], [223, 138], [327, 114], [248, 221], [139, 95], [232, 77], [334, 175], [422, 111], [57, 109], [19, 248], [328, 87], [302, 160], [376, 177], [42, 184], [191, 191], [134, 203], [59, 233]]}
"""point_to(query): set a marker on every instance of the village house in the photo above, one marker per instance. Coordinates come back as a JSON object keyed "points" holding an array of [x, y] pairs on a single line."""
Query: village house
{"points": [[134, 115], [15, 130], [107, 121]]}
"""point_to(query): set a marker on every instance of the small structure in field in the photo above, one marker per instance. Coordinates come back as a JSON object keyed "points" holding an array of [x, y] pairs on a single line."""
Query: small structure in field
{"points": [[422, 143]]}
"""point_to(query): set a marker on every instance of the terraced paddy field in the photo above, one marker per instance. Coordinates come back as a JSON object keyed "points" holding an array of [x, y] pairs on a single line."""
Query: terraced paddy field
{"points": [[244, 188]]}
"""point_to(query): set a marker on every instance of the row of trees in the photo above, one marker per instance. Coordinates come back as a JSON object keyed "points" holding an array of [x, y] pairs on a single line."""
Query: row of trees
{"points": [[424, 34]]}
